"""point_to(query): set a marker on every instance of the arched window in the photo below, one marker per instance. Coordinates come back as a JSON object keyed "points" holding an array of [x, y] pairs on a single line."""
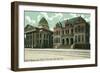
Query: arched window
{"points": [[75, 39], [67, 41], [79, 38], [63, 41]]}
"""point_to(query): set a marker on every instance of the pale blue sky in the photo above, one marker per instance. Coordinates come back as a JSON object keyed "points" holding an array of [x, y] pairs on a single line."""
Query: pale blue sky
{"points": [[33, 17]]}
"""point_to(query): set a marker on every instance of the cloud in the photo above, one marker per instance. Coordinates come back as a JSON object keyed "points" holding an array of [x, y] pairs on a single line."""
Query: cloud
{"points": [[74, 15], [29, 20], [44, 14], [60, 15], [39, 17], [65, 18], [33, 21], [51, 18], [86, 17]]}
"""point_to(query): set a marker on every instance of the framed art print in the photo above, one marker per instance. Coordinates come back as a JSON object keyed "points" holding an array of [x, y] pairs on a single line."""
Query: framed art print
{"points": [[52, 36]]}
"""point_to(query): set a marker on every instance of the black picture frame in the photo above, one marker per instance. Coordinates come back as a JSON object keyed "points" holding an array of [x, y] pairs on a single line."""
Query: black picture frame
{"points": [[15, 34]]}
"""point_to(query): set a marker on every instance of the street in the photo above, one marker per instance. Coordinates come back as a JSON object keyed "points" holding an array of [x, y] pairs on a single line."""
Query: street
{"points": [[55, 54]]}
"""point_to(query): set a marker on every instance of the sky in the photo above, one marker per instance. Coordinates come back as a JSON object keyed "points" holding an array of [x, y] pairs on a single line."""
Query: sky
{"points": [[33, 17]]}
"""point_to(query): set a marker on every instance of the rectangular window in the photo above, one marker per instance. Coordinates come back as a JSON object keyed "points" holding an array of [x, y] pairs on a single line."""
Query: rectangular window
{"points": [[82, 38], [71, 30], [66, 31], [76, 29], [58, 32], [40, 35], [62, 31], [44, 35]]}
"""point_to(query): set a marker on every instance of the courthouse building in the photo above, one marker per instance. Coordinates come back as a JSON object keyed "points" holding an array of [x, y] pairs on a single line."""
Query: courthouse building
{"points": [[72, 33], [38, 37]]}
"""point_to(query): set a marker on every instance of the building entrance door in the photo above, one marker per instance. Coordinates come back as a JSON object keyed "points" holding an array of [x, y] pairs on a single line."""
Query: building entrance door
{"points": [[71, 41]]}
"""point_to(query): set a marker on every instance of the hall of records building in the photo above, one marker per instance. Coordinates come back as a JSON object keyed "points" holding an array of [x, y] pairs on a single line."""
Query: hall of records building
{"points": [[71, 33]]}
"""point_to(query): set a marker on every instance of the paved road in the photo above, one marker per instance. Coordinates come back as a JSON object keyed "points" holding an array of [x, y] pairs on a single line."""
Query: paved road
{"points": [[55, 54]]}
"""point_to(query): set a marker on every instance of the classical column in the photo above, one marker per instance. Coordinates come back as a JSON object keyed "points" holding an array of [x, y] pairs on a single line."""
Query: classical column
{"points": [[32, 40]]}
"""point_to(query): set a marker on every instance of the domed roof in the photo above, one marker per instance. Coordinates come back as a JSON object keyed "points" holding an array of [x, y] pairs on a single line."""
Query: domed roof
{"points": [[43, 23]]}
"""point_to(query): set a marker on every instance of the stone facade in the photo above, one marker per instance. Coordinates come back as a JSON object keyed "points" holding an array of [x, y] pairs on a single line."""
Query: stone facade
{"points": [[40, 37], [72, 33]]}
